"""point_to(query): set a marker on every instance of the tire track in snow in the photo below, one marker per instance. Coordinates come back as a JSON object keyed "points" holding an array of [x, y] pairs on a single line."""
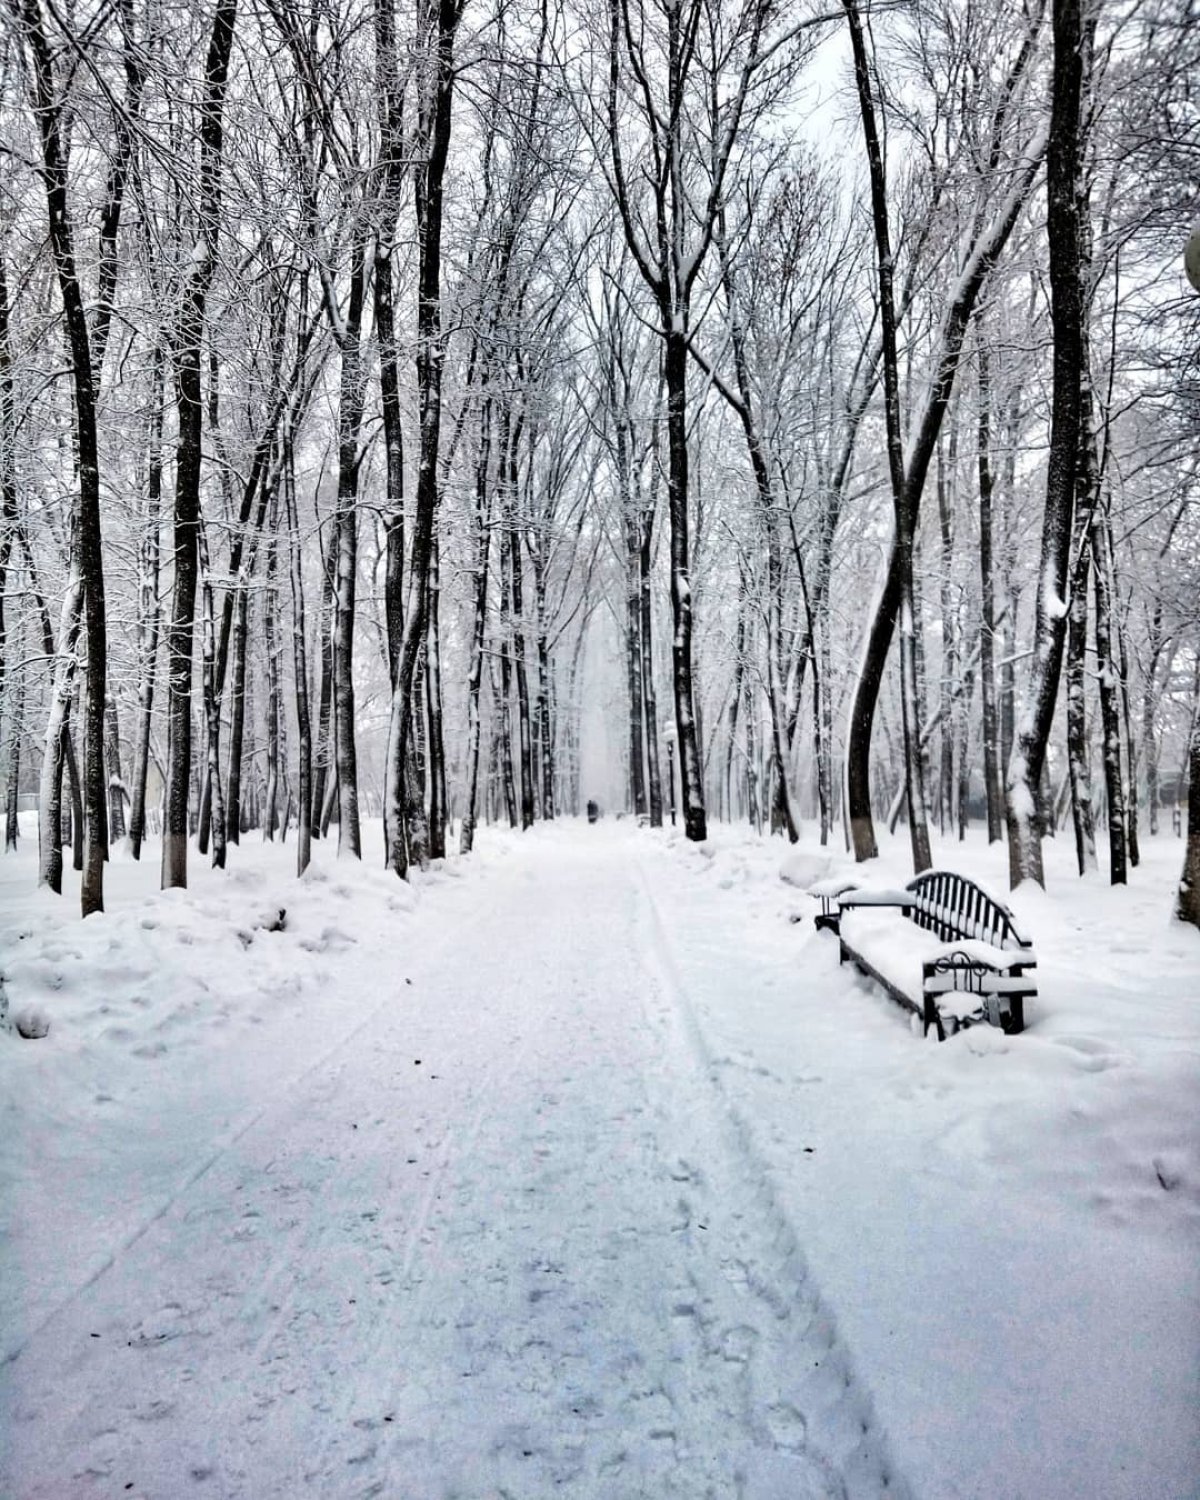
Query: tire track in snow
{"points": [[801, 1398]]}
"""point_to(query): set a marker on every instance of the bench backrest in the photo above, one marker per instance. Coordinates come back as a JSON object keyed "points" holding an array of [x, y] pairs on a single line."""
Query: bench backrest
{"points": [[955, 907]]}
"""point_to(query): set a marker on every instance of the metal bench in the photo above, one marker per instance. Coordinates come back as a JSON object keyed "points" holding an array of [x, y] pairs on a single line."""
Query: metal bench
{"points": [[977, 964]]}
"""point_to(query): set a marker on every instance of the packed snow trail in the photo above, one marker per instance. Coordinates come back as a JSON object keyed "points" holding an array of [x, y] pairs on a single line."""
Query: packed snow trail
{"points": [[505, 1240]]}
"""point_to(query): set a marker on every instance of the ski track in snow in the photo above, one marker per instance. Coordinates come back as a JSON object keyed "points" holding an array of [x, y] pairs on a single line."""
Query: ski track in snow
{"points": [[506, 1239]]}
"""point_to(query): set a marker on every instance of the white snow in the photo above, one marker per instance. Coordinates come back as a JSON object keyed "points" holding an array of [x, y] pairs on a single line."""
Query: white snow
{"points": [[578, 1168]]}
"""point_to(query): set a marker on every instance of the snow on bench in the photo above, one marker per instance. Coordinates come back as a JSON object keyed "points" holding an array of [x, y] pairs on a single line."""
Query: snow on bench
{"points": [[941, 946]]}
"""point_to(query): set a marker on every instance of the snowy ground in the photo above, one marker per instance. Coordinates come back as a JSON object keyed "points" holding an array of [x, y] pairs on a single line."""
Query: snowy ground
{"points": [[580, 1169]]}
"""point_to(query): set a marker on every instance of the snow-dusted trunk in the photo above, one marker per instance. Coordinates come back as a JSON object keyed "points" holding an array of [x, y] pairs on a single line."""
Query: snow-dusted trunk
{"points": [[300, 666], [75, 829], [48, 108], [646, 645], [516, 581], [545, 692], [993, 783], [1129, 738], [1187, 904], [16, 708], [415, 820], [8, 478], [753, 773], [437, 23], [633, 673], [237, 709], [504, 696], [116, 782], [322, 780], [1064, 231], [963, 751], [1110, 707], [735, 694], [212, 714], [350, 413], [433, 709], [779, 743], [274, 686], [946, 781], [1078, 750], [695, 820], [187, 340], [1150, 744], [147, 607], [483, 548], [50, 785]]}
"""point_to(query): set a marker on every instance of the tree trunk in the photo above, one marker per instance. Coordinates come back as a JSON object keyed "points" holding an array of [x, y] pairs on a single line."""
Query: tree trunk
{"points": [[691, 790], [946, 784], [75, 792], [351, 400], [504, 697], [433, 703], [1078, 750], [646, 641], [993, 783], [322, 779], [12, 827], [1187, 905], [188, 339], [304, 792], [237, 711], [633, 667], [147, 607], [48, 113], [483, 547], [50, 788], [438, 23], [274, 688], [1110, 708], [1064, 231], [116, 782], [545, 692]]}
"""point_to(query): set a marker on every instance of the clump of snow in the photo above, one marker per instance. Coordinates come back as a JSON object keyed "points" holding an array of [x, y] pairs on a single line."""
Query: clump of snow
{"points": [[31, 1022]]}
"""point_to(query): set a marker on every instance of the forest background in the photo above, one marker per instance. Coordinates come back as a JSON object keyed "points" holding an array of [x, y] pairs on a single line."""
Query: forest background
{"points": [[750, 410]]}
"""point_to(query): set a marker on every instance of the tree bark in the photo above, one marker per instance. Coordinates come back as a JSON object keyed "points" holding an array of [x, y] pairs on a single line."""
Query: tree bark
{"points": [[48, 113], [148, 616], [483, 542], [1187, 903], [1064, 164], [187, 341], [350, 413], [993, 783], [304, 791], [1110, 708], [438, 23]]}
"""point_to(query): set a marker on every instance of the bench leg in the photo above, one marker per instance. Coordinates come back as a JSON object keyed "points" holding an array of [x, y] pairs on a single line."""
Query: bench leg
{"points": [[1012, 1018], [933, 1018]]}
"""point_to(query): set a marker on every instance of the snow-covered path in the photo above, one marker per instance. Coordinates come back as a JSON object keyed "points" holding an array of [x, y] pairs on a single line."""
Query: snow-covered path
{"points": [[504, 1239]]}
